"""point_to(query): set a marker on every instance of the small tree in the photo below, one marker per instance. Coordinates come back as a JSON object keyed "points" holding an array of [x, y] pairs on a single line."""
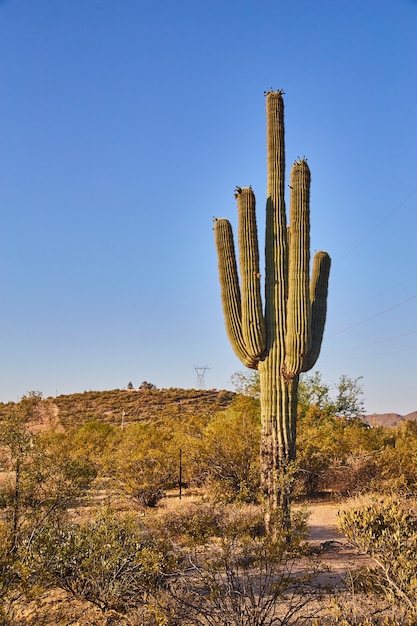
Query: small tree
{"points": [[144, 386], [247, 383], [349, 401], [146, 463]]}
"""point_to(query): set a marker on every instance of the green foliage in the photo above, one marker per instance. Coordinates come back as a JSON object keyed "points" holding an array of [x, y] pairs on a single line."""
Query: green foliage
{"points": [[247, 383], [397, 462], [346, 456], [329, 450], [9, 567], [313, 392], [386, 529], [45, 478], [42, 479], [108, 562], [228, 453], [192, 525], [349, 400], [337, 451], [345, 401], [96, 441], [146, 462]]}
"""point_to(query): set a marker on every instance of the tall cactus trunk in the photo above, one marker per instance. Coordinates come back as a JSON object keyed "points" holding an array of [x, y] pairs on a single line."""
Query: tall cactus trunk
{"points": [[278, 442], [285, 340]]}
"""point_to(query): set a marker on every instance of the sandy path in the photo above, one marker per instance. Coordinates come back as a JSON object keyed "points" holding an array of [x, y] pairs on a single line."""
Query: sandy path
{"points": [[322, 523], [337, 554]]}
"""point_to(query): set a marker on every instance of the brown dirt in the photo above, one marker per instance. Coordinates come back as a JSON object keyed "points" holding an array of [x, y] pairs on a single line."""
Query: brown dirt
{"points": [[338, 556]]}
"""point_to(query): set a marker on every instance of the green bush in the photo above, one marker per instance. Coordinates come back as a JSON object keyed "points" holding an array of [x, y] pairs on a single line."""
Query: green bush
{"points": [[386, 530], [227, 456], [109, 562], [194, 524]]}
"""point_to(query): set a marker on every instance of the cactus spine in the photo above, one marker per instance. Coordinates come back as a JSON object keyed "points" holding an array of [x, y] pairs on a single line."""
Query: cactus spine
{"points": [[284, 338]]}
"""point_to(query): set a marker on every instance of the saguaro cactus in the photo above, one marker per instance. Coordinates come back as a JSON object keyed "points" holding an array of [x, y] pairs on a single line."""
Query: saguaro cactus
{"points": [[283, 338]]}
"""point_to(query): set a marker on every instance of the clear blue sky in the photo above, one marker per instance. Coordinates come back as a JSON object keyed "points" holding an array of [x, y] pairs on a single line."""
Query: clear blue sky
{"points": [[125, 126]]}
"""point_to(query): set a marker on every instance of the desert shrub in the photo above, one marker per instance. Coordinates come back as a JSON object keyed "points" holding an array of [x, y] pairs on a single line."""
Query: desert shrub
{"points": [[194, 524], [147, 495], [353, 475], [227, 456], [96, 441], [241, 521], [386, 529], [199, 523], [146, 463], [45, 475], [243, 580], [109, 562], [397, 462], [9, 570], [339, 454], [43, 489]]}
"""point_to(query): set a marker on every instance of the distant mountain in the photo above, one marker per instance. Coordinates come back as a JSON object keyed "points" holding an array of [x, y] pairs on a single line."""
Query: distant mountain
{"points": [[387, 420]]}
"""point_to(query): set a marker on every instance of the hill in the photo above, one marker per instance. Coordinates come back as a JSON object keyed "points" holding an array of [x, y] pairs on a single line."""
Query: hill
{"points": [[119, 406], [388, 420]]}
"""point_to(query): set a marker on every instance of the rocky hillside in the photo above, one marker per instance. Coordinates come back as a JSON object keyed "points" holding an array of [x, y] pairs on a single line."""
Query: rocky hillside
{"points": [[126, 405]]}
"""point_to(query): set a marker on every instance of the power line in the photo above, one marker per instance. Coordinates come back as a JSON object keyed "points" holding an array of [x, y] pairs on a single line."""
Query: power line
{"points": [[373, 356], [375, 343], [394, 306], [379, 224], [378, 342]]}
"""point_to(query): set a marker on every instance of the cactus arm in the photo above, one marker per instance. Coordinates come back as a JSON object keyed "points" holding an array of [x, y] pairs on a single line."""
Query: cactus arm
{"points": [[298, 301], [318, 296], [253, 325], [276, 254], [230, 290]]}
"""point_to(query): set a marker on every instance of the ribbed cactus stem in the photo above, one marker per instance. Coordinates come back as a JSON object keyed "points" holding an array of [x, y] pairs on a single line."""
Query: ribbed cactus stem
{"points": [[285, 340], [298, 301], [276, 259], [253, 325], [230, 290], [318, 298]]}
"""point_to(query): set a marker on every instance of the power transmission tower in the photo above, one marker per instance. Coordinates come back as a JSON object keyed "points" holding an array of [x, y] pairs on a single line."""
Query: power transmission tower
{"points": [[200, 371]]}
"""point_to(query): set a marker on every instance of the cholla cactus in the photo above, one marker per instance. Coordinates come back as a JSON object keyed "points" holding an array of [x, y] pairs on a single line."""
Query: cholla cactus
{"points": [[282, 338]]}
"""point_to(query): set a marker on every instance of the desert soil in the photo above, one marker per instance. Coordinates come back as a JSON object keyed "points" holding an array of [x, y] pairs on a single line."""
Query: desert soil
{"points": [[337, 554]]}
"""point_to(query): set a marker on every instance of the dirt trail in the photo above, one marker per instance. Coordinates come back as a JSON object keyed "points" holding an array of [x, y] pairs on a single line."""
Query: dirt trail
{"points": [[322, 523], [337, 554]]}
